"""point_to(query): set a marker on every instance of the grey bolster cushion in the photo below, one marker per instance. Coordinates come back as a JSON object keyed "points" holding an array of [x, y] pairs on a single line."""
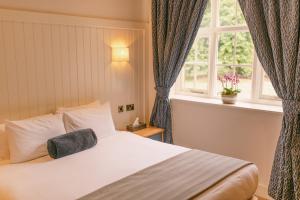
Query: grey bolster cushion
{"points": [[71, 143]]}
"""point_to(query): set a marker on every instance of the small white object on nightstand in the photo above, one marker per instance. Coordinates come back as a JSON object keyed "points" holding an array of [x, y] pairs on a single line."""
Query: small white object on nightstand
{"points": [[136, 122]]}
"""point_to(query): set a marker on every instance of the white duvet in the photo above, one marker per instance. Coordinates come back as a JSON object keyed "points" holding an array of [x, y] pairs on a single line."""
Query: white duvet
{"points": [[76, 175], [111, 159]]}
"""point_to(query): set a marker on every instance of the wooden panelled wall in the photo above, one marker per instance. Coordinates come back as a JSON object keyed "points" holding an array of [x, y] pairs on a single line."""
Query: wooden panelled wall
{"points": [[48, 61]]}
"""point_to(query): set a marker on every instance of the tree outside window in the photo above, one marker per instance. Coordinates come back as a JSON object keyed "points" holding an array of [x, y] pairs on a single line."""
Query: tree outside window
{"points": [[224, 45]]}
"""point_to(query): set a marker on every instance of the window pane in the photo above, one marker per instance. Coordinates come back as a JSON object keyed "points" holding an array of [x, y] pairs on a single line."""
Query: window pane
{"points": [[245, 77], [195, 72], [230, 13], [242, 53], [268, 89], [239, 15], [195, 77], [222, 70], [202, 50], [207, 16], [227, 12], [226, 48], [244, 48], [188, 78], [201, 73], [199, 50], [192, 54], [245, 84]]}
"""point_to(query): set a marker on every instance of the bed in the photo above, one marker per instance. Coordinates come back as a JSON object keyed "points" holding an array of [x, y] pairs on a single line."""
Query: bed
{"points": [[113, 158]]}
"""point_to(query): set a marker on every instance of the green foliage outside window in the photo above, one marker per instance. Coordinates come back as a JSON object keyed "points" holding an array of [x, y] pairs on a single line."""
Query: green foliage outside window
{"points": [[233, 48], [207, 16], [236, 48], [230, 13], [234, 51]]}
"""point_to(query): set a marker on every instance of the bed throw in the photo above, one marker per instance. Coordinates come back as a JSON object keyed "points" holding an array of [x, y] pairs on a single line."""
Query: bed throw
{"points": [[184, 176], [71, 143]]}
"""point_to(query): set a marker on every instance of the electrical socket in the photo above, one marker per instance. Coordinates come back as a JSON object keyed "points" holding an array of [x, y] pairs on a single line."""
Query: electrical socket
{"points": [[120, 108], [129, 107]]}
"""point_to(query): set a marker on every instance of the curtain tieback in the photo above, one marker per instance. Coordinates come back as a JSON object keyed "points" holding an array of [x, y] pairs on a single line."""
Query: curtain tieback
{"points": [[291, 109], [162, 92], [291, 106]]}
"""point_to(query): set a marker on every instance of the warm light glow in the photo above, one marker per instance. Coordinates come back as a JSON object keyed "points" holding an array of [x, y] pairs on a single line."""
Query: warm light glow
{"points": [[120, 54]]}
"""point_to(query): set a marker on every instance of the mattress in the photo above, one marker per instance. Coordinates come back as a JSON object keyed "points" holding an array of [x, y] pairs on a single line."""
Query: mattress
{"points": [[112, 159]]}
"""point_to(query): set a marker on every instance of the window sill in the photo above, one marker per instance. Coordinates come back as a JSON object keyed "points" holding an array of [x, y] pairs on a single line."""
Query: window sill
{"points": [[238, 105]]}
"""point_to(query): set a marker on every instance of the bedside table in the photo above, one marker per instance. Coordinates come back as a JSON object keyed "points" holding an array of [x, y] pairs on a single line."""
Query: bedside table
{"points": [[151, 132]]}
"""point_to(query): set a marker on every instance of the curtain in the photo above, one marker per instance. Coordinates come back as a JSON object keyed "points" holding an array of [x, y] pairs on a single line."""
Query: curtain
{"points": [[175, 24], [274, 26]]}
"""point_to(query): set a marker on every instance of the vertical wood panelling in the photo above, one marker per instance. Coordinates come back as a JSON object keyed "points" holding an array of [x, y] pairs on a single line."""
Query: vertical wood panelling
{"points": [[81, 67], [107, 64], [73, 70], [49, 63], [56, 52], [66, 66], [21, 69], [101, 64], [31, 66], [93, 55], [46, 65], [11, 69], [122, 77], [40, 69], [87, 63], [4, 100]]}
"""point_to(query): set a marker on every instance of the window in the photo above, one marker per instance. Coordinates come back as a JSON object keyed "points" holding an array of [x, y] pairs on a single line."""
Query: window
{"points": [[196, 66], [224, 45]]}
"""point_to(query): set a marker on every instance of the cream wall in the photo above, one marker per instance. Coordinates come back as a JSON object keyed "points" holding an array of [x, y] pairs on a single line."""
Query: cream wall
{"points": [[134, 10], [238, 132]]}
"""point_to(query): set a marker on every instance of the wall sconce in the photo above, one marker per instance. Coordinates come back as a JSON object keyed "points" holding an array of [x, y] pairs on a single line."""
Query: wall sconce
{"points": [[120, 54]]}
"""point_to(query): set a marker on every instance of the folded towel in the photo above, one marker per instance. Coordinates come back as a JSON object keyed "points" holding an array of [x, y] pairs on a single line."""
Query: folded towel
{"points": [[71, 143]]}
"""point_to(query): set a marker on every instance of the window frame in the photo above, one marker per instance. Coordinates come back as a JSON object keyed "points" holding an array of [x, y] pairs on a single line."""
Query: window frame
{"points": [[212, 32]]}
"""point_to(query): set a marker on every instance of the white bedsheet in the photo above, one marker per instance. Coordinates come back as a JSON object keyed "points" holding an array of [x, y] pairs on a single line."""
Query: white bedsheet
{"points": [[74, 176]]}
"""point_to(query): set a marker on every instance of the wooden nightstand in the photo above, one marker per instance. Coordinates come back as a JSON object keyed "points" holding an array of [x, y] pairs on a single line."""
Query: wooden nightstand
{"points": [[151, 132]]}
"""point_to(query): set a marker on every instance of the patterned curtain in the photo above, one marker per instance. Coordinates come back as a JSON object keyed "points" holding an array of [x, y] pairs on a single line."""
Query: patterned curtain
{"points": [[274, 26], [175, 24]]}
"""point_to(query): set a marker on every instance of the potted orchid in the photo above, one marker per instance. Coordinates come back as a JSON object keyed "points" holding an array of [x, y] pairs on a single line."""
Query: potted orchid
{"points": [[230, 88]]}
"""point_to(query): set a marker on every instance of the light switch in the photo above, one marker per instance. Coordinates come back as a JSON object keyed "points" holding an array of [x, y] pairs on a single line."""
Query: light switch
{"points": [[120, 108], [129, 107]]}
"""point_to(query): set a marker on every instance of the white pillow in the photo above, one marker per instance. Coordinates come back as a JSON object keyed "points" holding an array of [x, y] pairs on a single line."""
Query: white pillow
{"points": [[4, 150], [94, 104], [99, 119], [27, 138]]}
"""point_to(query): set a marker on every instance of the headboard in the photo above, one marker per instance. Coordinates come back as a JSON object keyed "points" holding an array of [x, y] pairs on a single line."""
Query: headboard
{"points": [[49, 60]]}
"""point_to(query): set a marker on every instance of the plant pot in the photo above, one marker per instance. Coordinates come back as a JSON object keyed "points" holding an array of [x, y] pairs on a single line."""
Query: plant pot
{"points": [[229, 99]]}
